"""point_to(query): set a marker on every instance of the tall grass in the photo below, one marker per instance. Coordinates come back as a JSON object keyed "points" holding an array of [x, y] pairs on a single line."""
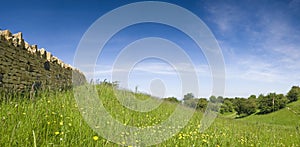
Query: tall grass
{"points": [[54, 119]]}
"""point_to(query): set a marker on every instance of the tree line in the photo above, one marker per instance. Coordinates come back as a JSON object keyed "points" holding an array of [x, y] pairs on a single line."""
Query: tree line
{"points": [[261, 104]]}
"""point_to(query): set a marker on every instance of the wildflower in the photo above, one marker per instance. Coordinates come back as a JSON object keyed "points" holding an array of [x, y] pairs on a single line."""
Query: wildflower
{"points": [[61, 123], [180, 136], [95, 138], [56, 133], [70, 124], [24, 113], [48, 123]]}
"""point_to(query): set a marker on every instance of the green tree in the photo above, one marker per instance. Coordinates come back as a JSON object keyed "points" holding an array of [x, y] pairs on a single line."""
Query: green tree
{"points": [[293, 94], [227, 106], [271, 102], [220, 99], [244, 106], [191, 102], [171, 99], [213, 99], [188, 96], [202, 104]]}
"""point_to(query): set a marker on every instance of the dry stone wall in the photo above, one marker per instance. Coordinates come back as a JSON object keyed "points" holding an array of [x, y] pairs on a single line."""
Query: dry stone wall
{"points": [[23, 65]]}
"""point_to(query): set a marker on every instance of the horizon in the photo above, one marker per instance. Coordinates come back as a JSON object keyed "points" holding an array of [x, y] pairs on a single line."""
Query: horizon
{"points": [[261, 50]]}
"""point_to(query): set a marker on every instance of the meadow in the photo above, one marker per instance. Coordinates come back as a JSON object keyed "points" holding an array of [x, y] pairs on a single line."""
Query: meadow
{"points": [[54, 119]]}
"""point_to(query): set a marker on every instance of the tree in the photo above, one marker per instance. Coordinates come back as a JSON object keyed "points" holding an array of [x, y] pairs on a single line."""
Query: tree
{"points": [[227, 106], [271, 102], [171, 99], [244, 106], [213, 99], [293, 94], [191, 102], [188, 96], [220, 99], [202, 104]]}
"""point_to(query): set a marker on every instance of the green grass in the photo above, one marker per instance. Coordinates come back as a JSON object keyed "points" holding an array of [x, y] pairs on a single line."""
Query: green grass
{"points": [[289, 116], [54, 119]]}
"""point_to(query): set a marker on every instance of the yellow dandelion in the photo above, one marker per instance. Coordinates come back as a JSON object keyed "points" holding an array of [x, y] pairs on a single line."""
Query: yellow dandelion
{"points": [[48, 123], [61, 123], [56, 133], [95, 138]]}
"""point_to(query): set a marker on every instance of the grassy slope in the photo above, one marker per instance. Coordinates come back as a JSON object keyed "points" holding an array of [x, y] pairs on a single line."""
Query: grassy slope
{"points": [[56, 121], [289, 116]]}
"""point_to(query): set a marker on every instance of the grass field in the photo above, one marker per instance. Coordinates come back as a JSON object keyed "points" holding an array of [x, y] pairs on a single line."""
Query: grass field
{"points": [[54, 119]]}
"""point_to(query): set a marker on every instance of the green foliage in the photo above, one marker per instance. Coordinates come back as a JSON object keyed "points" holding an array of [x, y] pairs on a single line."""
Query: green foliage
{"points": [[286, 117], [220, 99], [171, 99], [202, 104], [192, 102], [271, 102], [227, 106], [294, 94], [55, 119], [244, 106], [213, 99], [188, 96]]}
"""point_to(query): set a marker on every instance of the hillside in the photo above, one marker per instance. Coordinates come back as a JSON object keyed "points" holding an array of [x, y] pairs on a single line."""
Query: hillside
{"points": [[289, 116]]}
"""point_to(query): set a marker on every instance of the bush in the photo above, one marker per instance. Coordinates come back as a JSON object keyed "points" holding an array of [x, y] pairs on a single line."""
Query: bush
{"points": [[293, 94]]}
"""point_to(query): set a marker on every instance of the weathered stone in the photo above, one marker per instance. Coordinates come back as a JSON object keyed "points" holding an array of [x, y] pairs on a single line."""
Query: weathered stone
{"points": [[48, 56], [26, 45], [18, 37], [6, 34], [34, 48], [21, 68]]}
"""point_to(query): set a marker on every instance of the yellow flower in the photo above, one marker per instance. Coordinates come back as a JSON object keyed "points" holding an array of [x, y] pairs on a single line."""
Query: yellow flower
{"points": [[61, 123], [95, 138], [56, 133], [24, 113], [48, 123]]}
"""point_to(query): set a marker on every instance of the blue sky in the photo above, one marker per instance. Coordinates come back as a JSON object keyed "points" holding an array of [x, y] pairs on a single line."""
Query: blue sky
{"points": [[259, 39]]}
